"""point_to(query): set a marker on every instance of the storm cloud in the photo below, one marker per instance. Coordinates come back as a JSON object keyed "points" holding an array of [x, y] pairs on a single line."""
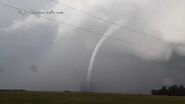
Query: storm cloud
{"points": [[38, 54]]}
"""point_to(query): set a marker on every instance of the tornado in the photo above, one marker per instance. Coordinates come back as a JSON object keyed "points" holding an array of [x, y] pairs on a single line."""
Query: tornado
{"points": [[95, 51]]}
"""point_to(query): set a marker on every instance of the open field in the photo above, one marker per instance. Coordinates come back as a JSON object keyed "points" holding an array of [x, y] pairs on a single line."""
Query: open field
{"points": [[83, 98]]}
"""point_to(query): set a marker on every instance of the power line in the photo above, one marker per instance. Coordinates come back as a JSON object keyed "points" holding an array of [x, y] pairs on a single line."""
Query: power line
{"points": [[100, 34], [10, 6], [108, 21], [84, 29]]}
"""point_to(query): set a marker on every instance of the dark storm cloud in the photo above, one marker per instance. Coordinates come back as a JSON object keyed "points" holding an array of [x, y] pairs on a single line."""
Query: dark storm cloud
{"points": [[176, 62], [1, 69], [126, 72], [21, 49]]}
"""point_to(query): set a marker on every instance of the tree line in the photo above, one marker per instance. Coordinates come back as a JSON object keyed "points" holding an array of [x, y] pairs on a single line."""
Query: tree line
{"points": [[170, 91]]}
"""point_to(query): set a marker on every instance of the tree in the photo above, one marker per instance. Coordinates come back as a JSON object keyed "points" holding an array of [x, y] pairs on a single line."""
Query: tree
{"points": [[163, 91], [181, 91], [170, 91], [154, 92]]}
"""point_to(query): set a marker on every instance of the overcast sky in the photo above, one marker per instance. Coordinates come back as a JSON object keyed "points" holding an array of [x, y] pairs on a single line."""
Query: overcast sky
{"points": [[39, 54]]}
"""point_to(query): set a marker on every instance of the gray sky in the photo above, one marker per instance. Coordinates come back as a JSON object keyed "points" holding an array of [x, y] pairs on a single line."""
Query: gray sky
{"points": [[38, 54]]}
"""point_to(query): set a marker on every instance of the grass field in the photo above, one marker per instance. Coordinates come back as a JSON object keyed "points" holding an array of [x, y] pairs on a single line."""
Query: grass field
{"points": [[83, 98]]}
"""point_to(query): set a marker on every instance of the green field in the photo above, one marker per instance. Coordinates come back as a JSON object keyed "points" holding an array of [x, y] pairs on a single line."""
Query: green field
{"points": [[84, 98]]}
